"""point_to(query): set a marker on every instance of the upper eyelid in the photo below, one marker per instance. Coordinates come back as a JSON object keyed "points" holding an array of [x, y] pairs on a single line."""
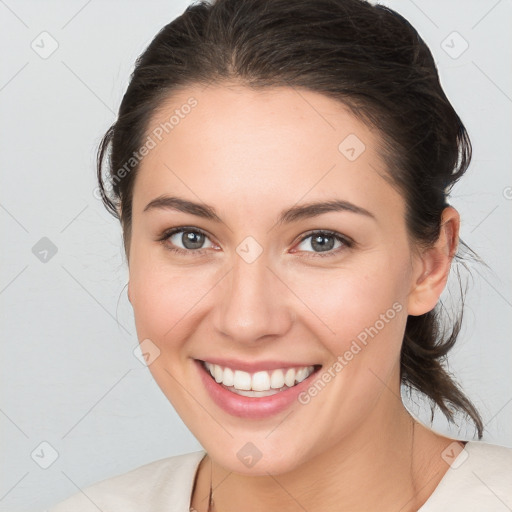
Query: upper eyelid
{"points": [[339, 236], [172, 231], [346, 240]]}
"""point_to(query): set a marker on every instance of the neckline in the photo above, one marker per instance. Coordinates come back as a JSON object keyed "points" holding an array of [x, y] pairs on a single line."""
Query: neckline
{"points": [[453, 471], [434, 496]]}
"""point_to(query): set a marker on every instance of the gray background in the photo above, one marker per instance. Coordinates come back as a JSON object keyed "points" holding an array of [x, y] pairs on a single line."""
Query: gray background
{"points": [[69, 376]]}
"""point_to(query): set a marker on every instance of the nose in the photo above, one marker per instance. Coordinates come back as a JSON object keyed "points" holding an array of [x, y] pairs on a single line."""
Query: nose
{"points": [[253, 303]]}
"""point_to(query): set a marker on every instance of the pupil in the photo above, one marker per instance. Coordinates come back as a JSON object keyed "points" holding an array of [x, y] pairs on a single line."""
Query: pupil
{"points": [[192, 240], [318, 240]]}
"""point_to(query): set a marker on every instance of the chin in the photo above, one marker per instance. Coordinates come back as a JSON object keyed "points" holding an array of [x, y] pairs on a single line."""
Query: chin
{"points": [[258, 458]]}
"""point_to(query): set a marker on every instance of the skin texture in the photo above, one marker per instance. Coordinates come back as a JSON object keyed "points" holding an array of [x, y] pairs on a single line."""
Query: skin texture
{"points": [[251, 154]]}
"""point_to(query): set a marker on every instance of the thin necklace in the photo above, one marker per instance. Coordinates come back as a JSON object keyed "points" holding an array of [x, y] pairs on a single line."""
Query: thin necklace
{"points": [[211, 505]]}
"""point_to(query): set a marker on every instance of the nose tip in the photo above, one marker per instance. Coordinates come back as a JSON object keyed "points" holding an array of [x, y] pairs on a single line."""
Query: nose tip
{"points": [[252, 302]]}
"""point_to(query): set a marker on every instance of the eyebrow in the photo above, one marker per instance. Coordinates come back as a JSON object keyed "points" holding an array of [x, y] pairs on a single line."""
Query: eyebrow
{"points": [[290, 215]]}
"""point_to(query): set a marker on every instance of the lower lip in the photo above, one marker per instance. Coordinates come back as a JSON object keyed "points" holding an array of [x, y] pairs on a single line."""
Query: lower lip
{"points": [[251, 407]]}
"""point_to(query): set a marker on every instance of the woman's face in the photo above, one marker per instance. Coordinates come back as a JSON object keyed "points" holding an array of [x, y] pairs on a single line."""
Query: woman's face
{"points": [[257, 290]]}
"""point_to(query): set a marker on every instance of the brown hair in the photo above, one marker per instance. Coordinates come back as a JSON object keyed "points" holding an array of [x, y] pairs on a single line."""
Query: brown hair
{"points": [[366, 56]]}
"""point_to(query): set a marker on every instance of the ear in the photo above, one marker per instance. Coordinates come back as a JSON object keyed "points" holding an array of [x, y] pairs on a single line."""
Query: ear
{"points": [[129, 298], [432, 265]]}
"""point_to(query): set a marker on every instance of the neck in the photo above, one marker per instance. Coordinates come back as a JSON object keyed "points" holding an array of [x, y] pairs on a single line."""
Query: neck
{"points": [[389, 463]]}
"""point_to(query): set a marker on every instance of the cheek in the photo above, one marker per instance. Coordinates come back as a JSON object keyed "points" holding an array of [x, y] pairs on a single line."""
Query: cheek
{"points": [[355, 302], [337, 305], [363, 316], [165, 299], [170, 302], [167, 302]]}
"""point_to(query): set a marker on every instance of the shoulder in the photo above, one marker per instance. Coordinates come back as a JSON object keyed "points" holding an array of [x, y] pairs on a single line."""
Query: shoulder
{"points": [[479, 478], [165, 484]]}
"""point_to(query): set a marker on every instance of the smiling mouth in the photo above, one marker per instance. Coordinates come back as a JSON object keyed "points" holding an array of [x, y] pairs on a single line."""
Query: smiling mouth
{"points": [[261, 383]]}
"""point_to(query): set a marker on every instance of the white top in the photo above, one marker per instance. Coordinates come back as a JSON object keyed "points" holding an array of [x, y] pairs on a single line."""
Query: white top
{"points": [[479, 479]]}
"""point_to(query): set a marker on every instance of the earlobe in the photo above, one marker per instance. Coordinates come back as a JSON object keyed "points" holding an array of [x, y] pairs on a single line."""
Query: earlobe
{"points": [[433, 266]]}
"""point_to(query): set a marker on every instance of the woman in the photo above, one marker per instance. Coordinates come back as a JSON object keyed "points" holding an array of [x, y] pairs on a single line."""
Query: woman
{"points": [[281, 171]]}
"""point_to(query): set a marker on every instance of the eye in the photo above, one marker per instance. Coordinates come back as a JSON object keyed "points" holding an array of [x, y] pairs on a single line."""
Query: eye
{"points": [[324, 241], [191, 240]]}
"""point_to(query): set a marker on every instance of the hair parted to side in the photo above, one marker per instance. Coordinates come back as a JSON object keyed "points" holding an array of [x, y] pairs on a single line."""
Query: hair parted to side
{"points": [[366, 56]]}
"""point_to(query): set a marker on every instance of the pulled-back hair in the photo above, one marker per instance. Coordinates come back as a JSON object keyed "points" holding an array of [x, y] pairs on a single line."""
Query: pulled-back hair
{"points": [[366, 56]]}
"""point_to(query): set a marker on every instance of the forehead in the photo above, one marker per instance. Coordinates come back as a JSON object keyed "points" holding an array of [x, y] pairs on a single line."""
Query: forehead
{"points": [[249, 147]]}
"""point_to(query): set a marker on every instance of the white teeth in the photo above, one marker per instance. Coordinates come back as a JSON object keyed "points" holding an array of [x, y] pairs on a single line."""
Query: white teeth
{"points": [[242, 380], [289, 378], [262, 383], [218, 374], [228, 378], [301, 374], [277, 379], [252, 393]]}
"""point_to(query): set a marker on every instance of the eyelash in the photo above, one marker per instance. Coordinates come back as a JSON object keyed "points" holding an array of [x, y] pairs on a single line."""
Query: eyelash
{"points": [[347, 242]]}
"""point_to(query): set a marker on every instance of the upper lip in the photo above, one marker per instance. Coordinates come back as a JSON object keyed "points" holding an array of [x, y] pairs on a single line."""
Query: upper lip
{"points": [[255, 366]]}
